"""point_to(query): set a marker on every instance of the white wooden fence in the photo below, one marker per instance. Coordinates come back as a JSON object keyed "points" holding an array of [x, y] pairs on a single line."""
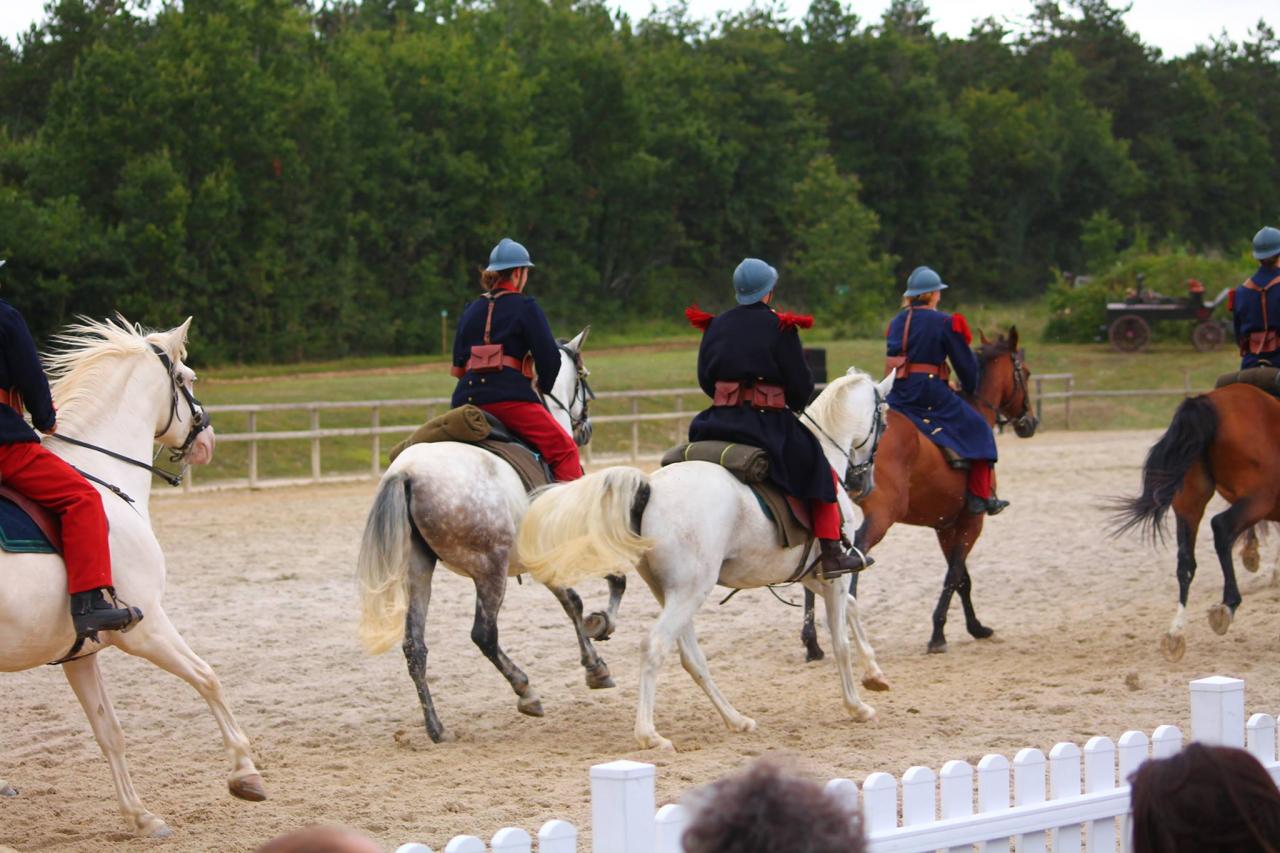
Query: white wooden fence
{"points": [[1075, 799]]}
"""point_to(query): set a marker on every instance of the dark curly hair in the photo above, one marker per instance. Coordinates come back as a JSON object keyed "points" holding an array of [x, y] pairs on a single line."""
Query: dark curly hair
{"points": [[1205, 799], [766, 809]]}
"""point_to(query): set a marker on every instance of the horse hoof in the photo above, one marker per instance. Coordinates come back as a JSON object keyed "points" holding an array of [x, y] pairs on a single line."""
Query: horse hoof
{"points": [[599, 626], [937, 647], [150, 826], [1251, 560], [863, 713], [599, 678], [982, 632], [814, 653], [441, 736], [1219, 618], [248, 788], [8, 791], [1173, 647], [876, 683], [655, 741], [530, 706], [746, 724]]}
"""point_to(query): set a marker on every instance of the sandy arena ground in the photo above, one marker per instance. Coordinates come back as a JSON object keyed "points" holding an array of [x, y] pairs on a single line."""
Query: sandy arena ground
{"points": [[261, 584]]}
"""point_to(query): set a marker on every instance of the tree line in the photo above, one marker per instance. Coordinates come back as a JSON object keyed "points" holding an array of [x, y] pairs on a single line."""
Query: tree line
{"points": [[317, 179]]}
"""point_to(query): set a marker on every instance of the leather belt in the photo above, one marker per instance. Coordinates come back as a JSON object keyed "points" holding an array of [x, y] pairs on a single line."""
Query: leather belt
{"points": [[943, 371], [761, 395], [524, 365]]}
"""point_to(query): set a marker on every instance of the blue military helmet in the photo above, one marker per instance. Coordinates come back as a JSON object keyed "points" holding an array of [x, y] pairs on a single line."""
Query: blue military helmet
{"points": [[507, 255], [1266, 243], [923, 280], [753, 280]]}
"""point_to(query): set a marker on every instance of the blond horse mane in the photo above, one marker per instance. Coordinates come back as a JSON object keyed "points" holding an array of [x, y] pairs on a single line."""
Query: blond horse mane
{"points": [[85, 355]]}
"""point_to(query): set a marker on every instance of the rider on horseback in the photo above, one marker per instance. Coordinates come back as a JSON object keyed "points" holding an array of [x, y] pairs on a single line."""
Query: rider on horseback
{"points": [[501, 338], [29, 469], [1255, 305], [752, 366], [920, 341]]}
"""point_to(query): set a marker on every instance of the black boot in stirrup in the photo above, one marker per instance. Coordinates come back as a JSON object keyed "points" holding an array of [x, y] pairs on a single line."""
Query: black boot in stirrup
{"points": [[836, 561], [99, 610]]}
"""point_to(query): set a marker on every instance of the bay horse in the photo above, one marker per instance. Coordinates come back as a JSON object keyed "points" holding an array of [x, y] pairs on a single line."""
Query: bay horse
{"points": [[459, 505], [1226, 441], [915, 485], [119, 389], [693, 525]]}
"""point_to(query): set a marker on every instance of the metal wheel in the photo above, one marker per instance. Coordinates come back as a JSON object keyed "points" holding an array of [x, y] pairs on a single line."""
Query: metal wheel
{"points": [[1129, 333], [1207, 335]]}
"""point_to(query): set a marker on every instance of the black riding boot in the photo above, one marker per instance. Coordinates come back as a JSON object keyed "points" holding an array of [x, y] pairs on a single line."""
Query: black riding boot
{"points": [[991, 506], [836, 561], [99, 610]]}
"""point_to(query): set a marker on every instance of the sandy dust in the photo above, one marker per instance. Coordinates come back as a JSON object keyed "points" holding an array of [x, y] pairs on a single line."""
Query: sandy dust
{"points": [[261, 584]]}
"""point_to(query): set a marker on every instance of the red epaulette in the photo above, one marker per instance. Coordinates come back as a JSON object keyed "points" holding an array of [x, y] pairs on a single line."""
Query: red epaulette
{"points": [[787, 320], [1231, 300], [698, 318], [960, 326]]}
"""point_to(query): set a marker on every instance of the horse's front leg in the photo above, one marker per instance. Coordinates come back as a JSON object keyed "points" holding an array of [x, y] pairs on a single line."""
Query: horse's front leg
{"points": [[598, 676], [86, 680], [156, 640], [835, 599], [600, 625], [491, 588], [872, 676]]}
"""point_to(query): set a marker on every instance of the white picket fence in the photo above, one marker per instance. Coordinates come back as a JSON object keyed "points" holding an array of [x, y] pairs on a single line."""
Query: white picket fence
{"points": [[1076, 799]]}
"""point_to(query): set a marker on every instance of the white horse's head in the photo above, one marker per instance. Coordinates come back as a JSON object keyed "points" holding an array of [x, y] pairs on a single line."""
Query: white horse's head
{"points": [[102, 367], [570, 397], [848, 417]]}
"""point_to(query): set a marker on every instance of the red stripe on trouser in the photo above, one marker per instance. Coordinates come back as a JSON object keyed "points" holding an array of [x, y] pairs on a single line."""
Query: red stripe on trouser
{"points": [[44, 478], [535, 425], [826, 516], [980, 478]]}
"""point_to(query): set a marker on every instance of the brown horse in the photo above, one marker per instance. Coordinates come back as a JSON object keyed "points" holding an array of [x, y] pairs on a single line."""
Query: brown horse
{"points": [[913, 484], [1226, 441]]}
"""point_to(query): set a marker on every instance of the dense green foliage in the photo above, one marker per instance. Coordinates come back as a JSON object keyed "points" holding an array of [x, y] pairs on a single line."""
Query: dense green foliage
{"points": [[320, 179]]}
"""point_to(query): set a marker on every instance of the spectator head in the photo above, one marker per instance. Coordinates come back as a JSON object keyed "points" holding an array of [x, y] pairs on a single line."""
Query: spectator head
{"points": [[321, 839], [1205, 799], [766, 809]]}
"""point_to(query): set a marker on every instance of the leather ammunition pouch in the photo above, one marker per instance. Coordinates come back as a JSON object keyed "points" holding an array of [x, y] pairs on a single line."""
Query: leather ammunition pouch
{"points": [[762, 395], [11, 398], [1260, 342], [489, 357]]}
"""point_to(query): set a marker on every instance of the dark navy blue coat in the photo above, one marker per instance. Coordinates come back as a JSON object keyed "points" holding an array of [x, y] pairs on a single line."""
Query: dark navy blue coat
{"points": [[20, 370], [1247, 316], [927, 399], [750, 344], [521, 327]]}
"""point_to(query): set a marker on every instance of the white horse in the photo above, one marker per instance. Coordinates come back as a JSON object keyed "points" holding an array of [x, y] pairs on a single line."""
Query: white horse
{"points": [[458, 504], [120, 389], [700, 527]]}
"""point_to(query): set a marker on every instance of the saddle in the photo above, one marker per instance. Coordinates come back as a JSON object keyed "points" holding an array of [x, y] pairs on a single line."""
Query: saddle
{"points": [[27, 527], [750, 465], [473, 425], [1265, 378]]}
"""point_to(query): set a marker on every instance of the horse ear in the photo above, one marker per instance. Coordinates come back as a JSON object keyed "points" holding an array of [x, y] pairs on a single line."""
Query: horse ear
{"points": [[579, 340], [886, 384], [177, 346], [982, 336], [1013, 339]]}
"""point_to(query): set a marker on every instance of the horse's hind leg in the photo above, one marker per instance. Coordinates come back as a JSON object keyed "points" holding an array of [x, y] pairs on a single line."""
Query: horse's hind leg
{"points": [[1227, 526], [966, 534], [694, 663], [597, 670], [421, 570], [158, 641], [1188, 509], [86, 680], [1249, 555], [601, 624], [836, 601], [491, 588]]}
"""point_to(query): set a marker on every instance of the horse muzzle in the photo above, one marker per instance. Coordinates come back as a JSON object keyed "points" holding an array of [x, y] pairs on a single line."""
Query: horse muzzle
{"points": [[1025, 426], [201, 450]]}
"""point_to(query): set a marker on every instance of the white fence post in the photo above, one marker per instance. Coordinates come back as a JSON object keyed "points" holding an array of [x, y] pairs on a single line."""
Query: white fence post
{"points": [[1064, 781], [993, 794], [879, 803], [1028, 789], [413, 847], [557, 836], [955, 791], [669, 825], [919, 800], [1166, 741], [622, 811], [511, 840], [1217, 711], [1100, 775], [1131, 752], [1262, 738], [464, 844]]}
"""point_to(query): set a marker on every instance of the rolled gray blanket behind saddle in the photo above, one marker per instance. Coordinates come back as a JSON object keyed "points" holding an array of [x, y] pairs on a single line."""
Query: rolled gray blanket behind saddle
{"points": [[748, 464], [465, 423]]}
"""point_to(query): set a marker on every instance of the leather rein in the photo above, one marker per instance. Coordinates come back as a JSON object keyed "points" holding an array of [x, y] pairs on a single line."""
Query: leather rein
{"points": [[580, 425], [1019, 384], [857, 469], [199, 423]]}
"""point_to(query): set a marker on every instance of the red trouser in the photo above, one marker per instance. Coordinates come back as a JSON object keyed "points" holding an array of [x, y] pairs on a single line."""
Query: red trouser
{"points": [[981, 476], [535, 425], [28, 468], [826, 516]]}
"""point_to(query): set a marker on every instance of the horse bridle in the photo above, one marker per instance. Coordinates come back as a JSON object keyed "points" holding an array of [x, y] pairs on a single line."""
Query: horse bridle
{"points": [[199, 423], [579, 425], [854, 470], [1024, 419]]}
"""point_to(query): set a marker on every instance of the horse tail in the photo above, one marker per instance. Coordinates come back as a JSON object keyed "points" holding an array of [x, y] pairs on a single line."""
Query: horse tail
{"points": [[382, 568], [587, 528], [1187, 440]]}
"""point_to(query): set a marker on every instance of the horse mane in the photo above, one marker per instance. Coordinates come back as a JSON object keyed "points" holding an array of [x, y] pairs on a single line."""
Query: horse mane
{"points": [[991, 349], [84, 356], [821, 408]]}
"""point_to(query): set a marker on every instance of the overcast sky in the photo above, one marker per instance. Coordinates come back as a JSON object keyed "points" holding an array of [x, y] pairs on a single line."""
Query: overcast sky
{"points": [[1175, 26]]}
